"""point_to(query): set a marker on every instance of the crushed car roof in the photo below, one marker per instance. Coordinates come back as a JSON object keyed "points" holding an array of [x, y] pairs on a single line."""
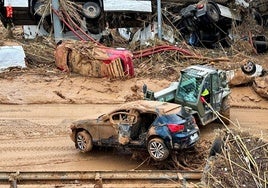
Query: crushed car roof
{"points": [[153, 106]]}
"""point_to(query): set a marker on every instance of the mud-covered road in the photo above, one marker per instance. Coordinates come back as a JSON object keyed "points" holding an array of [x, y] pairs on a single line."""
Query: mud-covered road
{"points": [[36, 137]]}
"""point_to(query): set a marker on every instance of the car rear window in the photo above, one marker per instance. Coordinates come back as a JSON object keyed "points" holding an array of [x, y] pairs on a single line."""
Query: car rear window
{"points": [[170, 118]]}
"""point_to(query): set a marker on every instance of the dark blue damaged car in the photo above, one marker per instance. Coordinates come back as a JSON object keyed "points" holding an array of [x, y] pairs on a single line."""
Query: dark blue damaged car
{"points": [[158, 127]]}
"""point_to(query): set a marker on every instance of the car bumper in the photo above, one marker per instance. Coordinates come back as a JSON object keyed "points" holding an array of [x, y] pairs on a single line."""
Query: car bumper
{"points": [[185, 141]]}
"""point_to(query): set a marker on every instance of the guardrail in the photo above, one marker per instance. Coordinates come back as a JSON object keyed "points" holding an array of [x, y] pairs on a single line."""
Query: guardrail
{"points": [[98, 179]]}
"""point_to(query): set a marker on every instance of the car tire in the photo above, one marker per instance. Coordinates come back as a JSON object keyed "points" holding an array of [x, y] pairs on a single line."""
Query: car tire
{"points": [[249, 68], [212, 12], [91, 10], [158, 149], [84, 141], [225, 110]]}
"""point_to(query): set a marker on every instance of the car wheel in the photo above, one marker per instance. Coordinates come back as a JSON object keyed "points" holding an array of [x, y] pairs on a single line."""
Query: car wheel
{"points": [[157, 149], [225, 110], [249, 68], [212, 12], [91, 10], [84, 141]]}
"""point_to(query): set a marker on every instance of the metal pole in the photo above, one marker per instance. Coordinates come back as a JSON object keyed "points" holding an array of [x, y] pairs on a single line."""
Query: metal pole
{"points": [[159, 19], [56, 22], [97, 175]]}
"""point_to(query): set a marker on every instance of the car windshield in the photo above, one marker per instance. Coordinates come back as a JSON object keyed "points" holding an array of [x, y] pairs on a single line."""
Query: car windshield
{"points": [[170, 118], [189, 87]]}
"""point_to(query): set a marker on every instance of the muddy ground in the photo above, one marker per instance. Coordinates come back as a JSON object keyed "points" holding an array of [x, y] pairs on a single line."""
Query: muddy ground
{"points": [[39, 102]]}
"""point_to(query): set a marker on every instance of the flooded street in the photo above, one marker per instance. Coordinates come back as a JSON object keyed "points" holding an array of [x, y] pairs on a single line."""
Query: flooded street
{"points": [[36, 137]]}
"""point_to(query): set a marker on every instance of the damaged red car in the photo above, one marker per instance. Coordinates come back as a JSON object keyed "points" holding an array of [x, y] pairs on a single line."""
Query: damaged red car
{"points": [[158, 127], [88, 59]]}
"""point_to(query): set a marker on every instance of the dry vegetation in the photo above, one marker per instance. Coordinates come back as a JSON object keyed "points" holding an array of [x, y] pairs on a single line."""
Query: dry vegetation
{"points": [[242, 163]]}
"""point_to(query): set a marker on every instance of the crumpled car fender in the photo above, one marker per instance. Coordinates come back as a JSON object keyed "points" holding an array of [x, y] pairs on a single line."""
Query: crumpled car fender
{"points": [[160, 132]]}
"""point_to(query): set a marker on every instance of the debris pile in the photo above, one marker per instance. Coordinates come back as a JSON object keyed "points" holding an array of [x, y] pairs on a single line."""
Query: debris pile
{"points": [[260, 85], [243, 162], [190, 159]]}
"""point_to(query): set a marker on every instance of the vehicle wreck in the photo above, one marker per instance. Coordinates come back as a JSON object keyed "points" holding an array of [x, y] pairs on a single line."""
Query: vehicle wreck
{"points": [[203, 23], [92, 16], [92, 60], [207, 23], [158, 127], [248, 71]]}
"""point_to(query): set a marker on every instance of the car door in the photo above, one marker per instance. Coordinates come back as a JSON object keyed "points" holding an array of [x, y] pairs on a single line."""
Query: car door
{"points": [[122, 121], [106, 131]]}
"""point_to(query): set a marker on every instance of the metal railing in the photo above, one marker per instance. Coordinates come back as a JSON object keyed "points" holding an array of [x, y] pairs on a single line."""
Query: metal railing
{"points": [[135, 178]]}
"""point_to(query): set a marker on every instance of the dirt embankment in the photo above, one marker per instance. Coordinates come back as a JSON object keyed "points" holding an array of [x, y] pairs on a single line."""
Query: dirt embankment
{"points": [[41, 82], [45, 86]]}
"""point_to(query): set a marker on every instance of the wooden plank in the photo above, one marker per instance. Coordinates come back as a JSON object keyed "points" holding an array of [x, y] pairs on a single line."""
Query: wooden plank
{"points": [[120, 68], [127, 5]]}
